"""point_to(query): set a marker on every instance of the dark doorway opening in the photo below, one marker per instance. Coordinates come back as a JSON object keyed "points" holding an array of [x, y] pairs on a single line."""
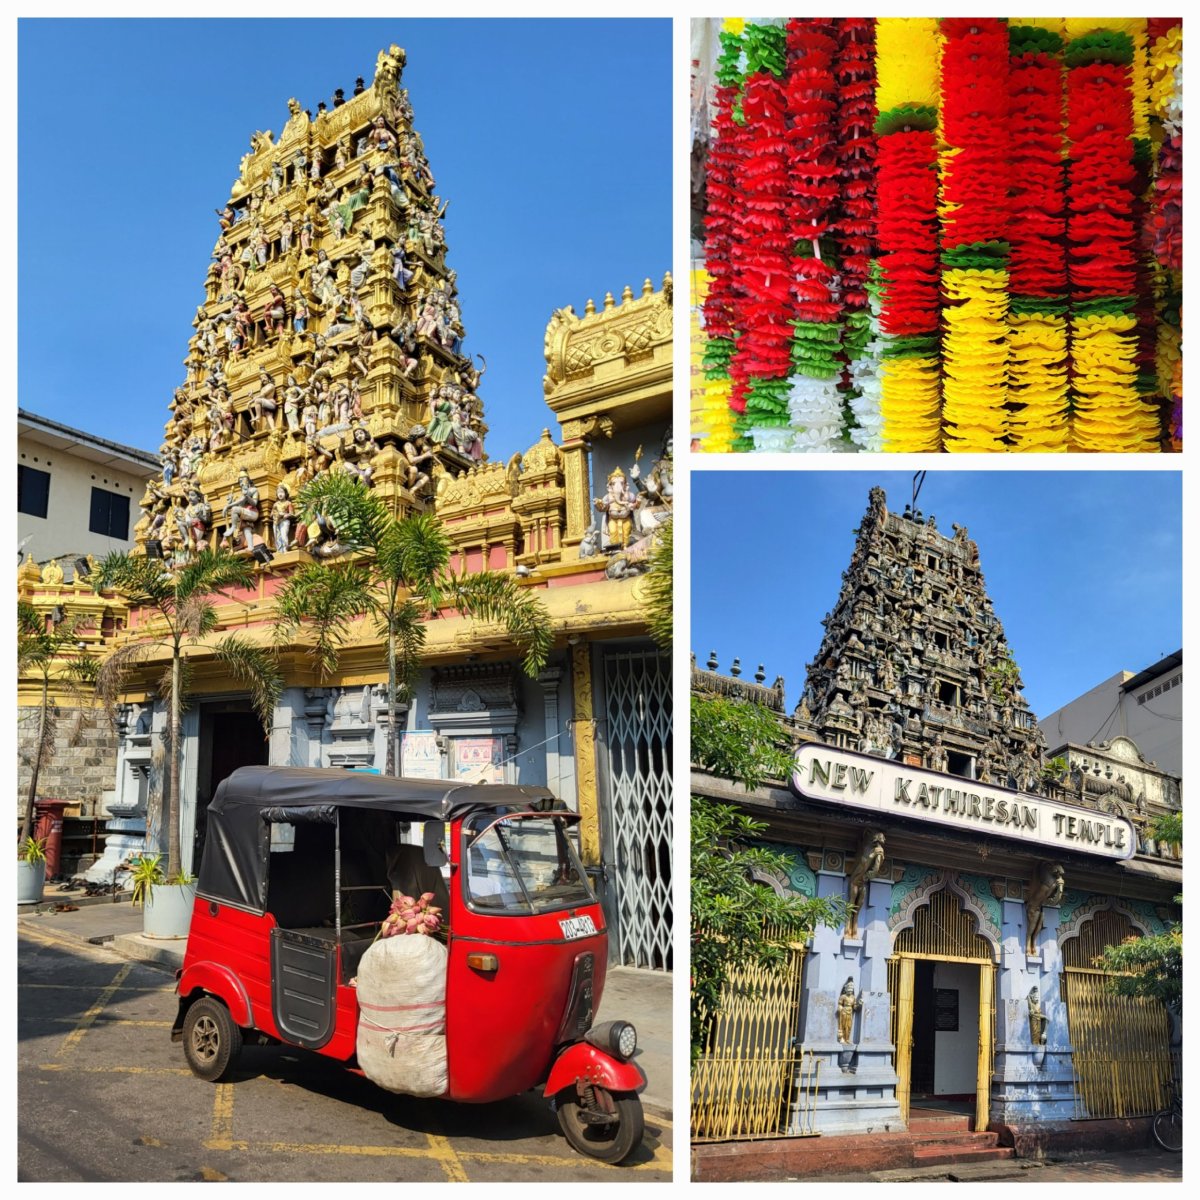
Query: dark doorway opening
{"points": [[923, 1029], [231, 736]]}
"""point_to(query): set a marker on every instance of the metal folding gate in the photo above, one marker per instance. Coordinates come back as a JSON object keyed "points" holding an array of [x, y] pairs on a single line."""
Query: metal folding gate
{"points": [[751, 1078], [637, 707], [1122, 1060]]}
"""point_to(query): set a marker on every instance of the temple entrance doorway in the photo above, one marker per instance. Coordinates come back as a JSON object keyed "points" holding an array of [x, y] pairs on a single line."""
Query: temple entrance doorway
{"points": [[941, 979], [231, 736]]}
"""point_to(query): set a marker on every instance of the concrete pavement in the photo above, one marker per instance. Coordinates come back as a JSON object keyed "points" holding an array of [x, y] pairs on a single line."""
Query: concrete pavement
{"points": [[643, 997]]}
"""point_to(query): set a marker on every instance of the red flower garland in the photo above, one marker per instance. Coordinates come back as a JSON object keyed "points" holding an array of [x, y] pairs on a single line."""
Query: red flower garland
{"points": [[906, 231], [761, 250], [855, 129], [1037, 264], [974, 111], [812, 44], [719, 221], [1100, 226]]}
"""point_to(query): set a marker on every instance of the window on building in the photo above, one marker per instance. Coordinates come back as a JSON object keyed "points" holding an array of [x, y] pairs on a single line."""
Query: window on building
{"points": [[109, 515], [33, 491], [947, 692]]}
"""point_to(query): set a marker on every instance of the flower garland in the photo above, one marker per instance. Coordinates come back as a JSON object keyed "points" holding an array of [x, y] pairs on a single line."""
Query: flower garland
{"points": [[814, 402], [906, 58], [854, 75], [1037, 323], [762, 249], [974, 213], [1166, 226], [1109, 413], [723, 202]]}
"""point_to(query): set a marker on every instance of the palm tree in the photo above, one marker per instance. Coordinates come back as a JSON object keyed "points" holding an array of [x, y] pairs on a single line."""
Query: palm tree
{"points": [[401, 578], [182, 599], [50, 651]]}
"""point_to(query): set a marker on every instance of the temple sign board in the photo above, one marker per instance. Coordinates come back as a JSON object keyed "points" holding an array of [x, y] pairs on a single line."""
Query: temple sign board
{"points": [[880, 785]]}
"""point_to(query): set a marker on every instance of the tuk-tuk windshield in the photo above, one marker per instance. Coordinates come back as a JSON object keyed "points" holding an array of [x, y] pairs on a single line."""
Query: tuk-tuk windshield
{"points": [[523, 865]]}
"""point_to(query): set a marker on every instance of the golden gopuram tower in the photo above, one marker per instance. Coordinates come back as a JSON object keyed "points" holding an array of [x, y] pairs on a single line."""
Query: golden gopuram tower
{"points": [[330, 337]]}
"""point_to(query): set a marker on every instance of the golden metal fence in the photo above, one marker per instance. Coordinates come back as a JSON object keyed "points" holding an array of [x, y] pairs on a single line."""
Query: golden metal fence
{"points": [[751, 1073], [1122, 1051]]}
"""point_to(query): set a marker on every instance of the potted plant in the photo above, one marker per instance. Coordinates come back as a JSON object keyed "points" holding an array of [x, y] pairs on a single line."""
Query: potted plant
{"points": [[166, 902], [31, 870]]}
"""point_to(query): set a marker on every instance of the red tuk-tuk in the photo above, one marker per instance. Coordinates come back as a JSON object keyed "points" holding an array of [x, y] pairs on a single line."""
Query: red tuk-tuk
{"points": [[299, 870]]}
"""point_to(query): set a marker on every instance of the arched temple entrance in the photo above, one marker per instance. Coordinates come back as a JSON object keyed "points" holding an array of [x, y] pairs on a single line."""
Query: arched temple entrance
{"points": [[941, 979], [1122, 1044]]}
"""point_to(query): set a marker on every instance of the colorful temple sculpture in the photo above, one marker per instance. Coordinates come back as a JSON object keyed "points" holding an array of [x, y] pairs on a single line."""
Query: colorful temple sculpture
{"points": [[331, 340], [955, 234], [981, 875]]}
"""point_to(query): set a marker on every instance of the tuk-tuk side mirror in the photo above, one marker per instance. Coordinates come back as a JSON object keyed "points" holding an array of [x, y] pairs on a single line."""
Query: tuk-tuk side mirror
{"points": [[434, 837]]}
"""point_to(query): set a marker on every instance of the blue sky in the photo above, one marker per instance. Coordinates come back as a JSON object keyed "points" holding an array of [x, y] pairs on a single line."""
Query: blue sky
{"points": [[1084, 567], [551, 140]]}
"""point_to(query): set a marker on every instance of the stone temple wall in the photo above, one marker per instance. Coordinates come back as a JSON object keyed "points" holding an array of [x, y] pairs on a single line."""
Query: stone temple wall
{"points": [[81, 766]]}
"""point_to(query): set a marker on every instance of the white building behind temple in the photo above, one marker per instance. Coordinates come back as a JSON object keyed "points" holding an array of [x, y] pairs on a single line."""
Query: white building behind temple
{"points": [[1146, 707]]}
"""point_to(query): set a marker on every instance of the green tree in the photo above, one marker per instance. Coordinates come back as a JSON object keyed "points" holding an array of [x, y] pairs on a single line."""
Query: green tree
{"points": [[731, 909], [50, 650], [396, 571], [182, 600], [1151, 965]]}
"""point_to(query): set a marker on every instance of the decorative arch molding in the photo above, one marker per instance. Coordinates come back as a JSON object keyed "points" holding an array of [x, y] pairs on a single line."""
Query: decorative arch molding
{"points": [[945, 880], [777, 881], [1075, 922]]}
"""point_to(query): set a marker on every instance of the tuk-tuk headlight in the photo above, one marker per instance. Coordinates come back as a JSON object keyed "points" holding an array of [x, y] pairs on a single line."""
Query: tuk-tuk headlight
{"points": [[619, 1038]]}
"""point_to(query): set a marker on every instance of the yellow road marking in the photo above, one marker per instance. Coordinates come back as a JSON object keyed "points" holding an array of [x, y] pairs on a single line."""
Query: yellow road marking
{"points": [[74, 987], [444, 1153], [73, 1038], [113, 1070], [222, 1121], [209, 1175], [105, 1021], [146, 1140]]}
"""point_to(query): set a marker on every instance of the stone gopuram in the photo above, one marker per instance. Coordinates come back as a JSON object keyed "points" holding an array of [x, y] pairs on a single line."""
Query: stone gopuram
{"points": [[981, 877], [330, 337]]}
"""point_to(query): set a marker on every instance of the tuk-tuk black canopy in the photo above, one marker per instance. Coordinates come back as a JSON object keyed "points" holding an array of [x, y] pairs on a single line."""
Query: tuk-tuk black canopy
{"points": [[237, 844]]}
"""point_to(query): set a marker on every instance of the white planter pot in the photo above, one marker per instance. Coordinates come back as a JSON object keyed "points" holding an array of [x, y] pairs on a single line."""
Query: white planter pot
{"points": [[31, 878], [168, 912]]}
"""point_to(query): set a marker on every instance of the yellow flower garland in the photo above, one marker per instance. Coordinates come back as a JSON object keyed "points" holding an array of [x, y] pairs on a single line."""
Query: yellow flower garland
{"points": [[1037, 378], [974, 359], [1109, 413], [909, 403], [906, 62]]}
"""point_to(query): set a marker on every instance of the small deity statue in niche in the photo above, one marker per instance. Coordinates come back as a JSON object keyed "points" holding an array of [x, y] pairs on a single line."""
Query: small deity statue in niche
{"points": [[293, 401], [241, 511], [617, 506], [414, 471], [1037, 1019], [283, 516], [300, 311], [275, 310], [286, 232], [847, 1005], [263, 404]]}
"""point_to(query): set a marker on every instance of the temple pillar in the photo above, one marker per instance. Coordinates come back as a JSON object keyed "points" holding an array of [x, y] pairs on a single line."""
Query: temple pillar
{"points": [[585, 754]]}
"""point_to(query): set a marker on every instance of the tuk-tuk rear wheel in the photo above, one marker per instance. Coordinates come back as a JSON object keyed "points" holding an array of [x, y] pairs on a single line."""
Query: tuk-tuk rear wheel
{"points": [[611, 1141], [211, 1040]]}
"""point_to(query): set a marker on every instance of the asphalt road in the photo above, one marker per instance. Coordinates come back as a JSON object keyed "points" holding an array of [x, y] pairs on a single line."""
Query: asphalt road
{"points": [[105, 1095]]}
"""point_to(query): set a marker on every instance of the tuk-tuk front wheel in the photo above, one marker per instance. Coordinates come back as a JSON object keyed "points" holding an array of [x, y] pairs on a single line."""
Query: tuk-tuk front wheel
{"points": [[601, 1124], [211, 1041]]}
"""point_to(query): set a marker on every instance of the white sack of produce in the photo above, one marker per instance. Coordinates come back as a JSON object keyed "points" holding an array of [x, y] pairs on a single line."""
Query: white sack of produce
{"points": [[402, 1015]]}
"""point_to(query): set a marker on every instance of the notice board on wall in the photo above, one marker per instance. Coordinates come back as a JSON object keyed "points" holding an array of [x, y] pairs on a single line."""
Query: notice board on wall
{"points": [[945, 1010]]}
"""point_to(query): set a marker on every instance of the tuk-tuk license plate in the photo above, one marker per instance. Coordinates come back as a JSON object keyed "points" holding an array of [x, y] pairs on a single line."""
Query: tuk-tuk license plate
{"points": [[577, 927]]}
